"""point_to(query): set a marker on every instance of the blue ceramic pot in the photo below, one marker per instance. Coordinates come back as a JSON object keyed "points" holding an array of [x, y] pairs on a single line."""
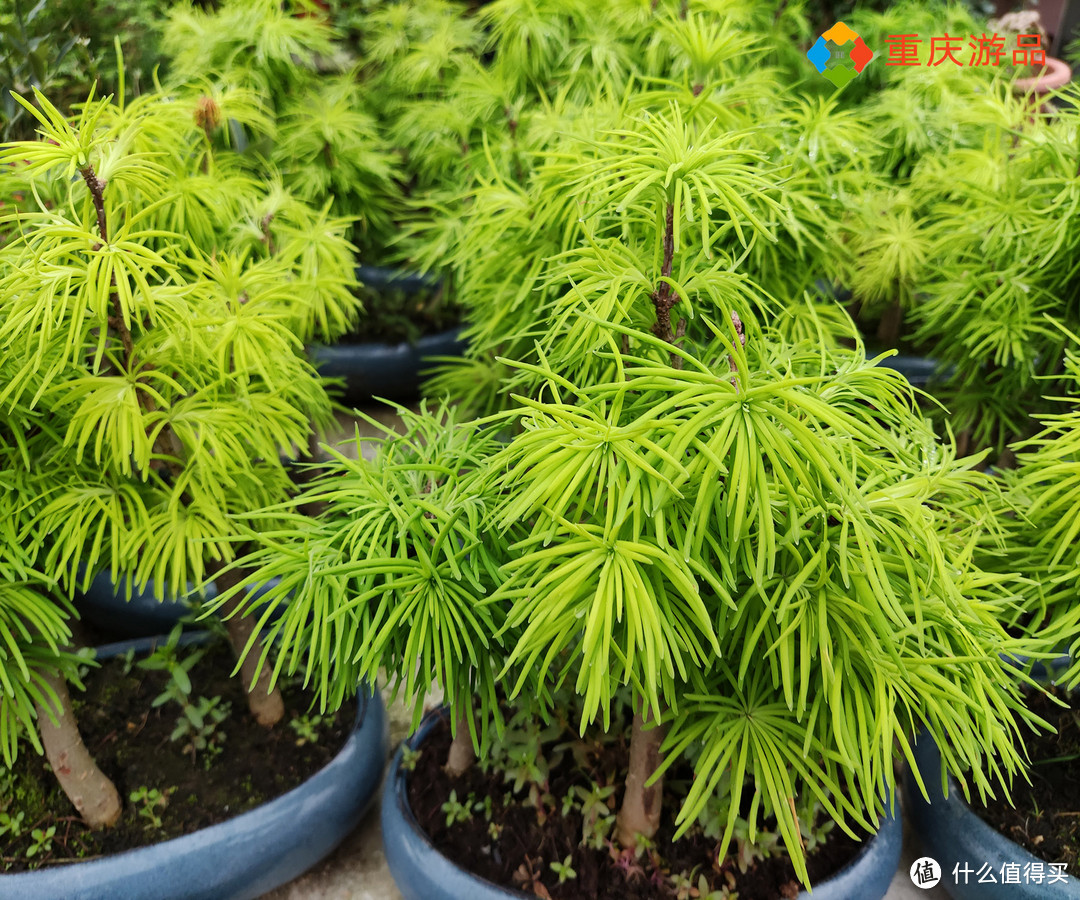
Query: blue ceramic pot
{"points": [[422, 873], [147, 613], [384, 278], [384, 371], [920, 371], [956, 837], [246, 856]]}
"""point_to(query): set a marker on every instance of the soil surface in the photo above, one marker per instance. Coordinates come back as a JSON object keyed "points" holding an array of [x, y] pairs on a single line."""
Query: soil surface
{"points": [[518, 844], [1046, 818], [393, 316], [242, 765]]}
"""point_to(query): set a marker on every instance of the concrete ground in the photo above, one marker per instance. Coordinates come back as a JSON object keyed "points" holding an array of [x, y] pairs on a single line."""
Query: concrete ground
{"points": [[357, 869]]}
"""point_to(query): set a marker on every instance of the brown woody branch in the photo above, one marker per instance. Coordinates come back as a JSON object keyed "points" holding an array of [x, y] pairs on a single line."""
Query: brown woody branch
{"points": [[665, 297], [167, 439], [97, 194]]}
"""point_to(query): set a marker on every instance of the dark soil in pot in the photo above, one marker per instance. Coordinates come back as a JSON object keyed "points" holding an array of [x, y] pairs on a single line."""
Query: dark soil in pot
{"points": [[515, 844], [396, 314], [243, 765], [1046, 818]]}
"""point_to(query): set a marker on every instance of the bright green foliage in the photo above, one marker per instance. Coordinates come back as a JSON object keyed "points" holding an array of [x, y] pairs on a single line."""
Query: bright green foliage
{"points": [[1044, 516], [760, 539], [934, 18], [34, 629], [968, 237], [1003, 268], [259, 44], [153, 300], [330, 148], [486, 108], [390, 572], [600, 194], [317, 128], [890, 225], [743, 554], [890, 246], [454, 108]]}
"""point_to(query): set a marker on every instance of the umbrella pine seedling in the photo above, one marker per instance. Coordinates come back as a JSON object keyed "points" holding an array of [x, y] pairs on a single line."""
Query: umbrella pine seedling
{"points": [[760, 539], [1043, 517], [155, 296]]}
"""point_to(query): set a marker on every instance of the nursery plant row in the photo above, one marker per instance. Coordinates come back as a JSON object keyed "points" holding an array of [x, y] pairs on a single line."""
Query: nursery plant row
{"points": [[743, 496]]}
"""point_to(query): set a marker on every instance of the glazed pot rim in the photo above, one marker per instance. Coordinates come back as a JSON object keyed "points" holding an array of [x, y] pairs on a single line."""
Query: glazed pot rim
{"points": [[400, 783], [1051, 76], [965, 825], [233, 823], [344, 346]]}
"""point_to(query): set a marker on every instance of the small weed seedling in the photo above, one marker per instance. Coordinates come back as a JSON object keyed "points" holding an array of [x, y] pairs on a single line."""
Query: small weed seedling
{"points": [[457, 811], [409, 758], [306, 728], [199, 719], [42, 841], [11, 824], [148, 803], [198, 725], [564, 870]]}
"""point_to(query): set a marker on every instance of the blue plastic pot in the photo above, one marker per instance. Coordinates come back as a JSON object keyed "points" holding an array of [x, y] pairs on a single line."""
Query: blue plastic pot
{"points": [[920, 371], [244, 857], [422, 873], [147, 613], [385, 371], [954, 835]]}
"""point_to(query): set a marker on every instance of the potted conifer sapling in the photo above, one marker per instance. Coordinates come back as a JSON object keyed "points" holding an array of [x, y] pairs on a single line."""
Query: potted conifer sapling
{"points": [[152, 319], [1031, 829], [694, 582]]}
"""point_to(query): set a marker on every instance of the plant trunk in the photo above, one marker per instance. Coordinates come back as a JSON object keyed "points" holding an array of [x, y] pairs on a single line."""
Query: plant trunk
{"points": [[87, 787], [1007, 459], [888, 332], [640, 810], [461, 755], [264, 702], [303, 477]]}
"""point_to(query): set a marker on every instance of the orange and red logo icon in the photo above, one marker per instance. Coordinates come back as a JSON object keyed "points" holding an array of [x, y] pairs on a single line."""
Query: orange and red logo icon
{"points": [[835, 59]]}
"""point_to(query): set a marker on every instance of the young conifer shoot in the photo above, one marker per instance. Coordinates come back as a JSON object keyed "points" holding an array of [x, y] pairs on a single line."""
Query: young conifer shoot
{"points": [[155, 294], [759, 540]]}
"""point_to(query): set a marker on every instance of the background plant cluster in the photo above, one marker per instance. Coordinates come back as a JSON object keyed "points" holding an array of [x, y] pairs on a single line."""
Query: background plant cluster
{"points": [[672, 480], [156, 296], [672, 468]]}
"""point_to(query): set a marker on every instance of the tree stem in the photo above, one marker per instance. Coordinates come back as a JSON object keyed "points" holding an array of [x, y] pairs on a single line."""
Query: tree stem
{"points": [[891, 322], [87, 787], [97, 194], [264, 702], [740, 334], [664, 298], [461, 755], [640, 810]]}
